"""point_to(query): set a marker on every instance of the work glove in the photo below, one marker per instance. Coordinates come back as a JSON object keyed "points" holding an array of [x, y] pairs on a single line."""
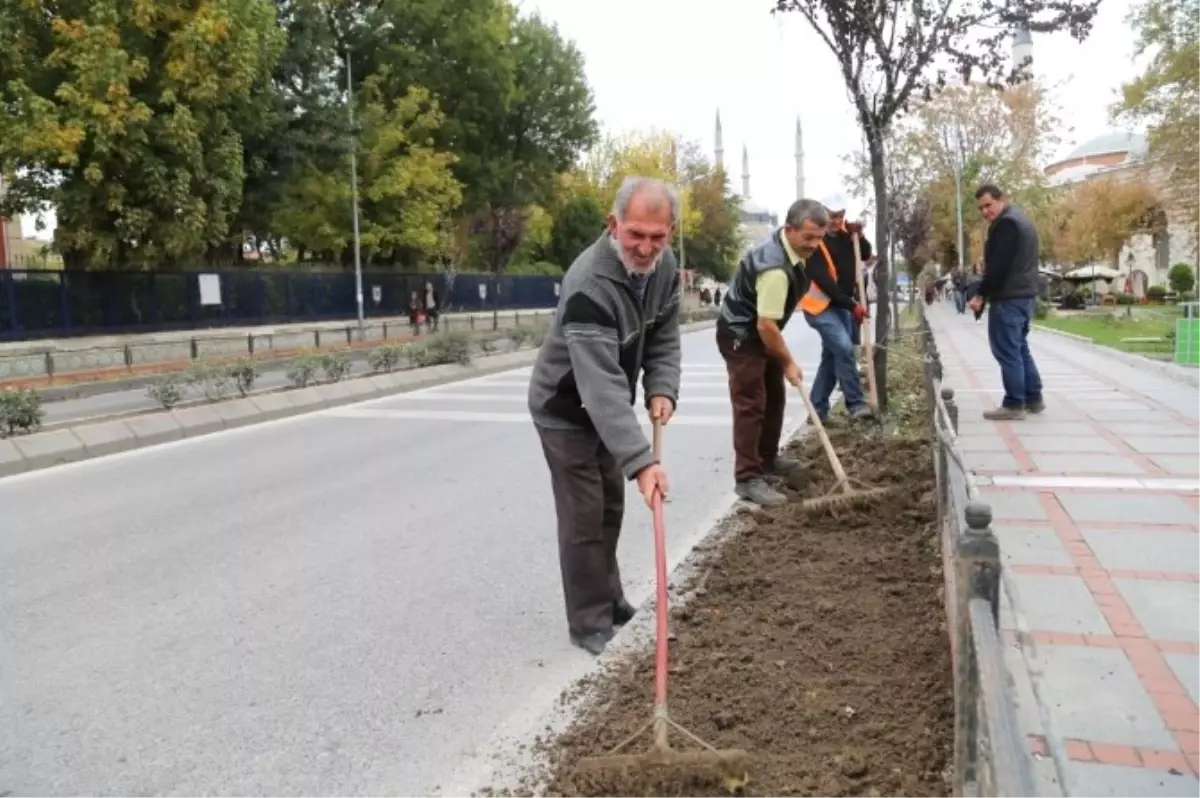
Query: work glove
{"points": [[860, 313]]}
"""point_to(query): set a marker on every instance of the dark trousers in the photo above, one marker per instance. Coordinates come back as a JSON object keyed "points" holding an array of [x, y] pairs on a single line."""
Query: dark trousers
{"points": [[759, 396], [1008, 336], [589, 498]]}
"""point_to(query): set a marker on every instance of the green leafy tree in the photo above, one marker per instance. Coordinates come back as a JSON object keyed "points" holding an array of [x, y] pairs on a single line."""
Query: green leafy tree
{"points": [[1182, 278], [577, 224], [124, 118], [715, 244]]}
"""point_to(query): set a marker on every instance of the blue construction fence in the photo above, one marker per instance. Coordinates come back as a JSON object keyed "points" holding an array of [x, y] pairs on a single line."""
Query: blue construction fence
{"points": [[46, 304]]}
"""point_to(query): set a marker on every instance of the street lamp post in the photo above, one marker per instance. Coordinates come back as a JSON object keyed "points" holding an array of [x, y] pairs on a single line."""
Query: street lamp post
{"points": [[958, 198], [358, 278]]}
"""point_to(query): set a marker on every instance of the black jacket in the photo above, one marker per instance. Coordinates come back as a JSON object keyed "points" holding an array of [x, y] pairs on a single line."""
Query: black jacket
{"points": [[843, 292], [1010, 257]]}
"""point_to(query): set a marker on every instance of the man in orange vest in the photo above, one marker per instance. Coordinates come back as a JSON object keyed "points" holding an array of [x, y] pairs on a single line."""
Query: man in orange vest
{"points": [[832, 308]]}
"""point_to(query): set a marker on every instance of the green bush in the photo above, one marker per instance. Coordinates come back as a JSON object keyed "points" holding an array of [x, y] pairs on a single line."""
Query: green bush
{"points": [[20, 411], [1126, 299], [300, 372], [336, 366], [385, 358], [244, 373], [167, 390], [519, 335], [451, 347], [1181, 278], [212, 380], [1042, 309]]}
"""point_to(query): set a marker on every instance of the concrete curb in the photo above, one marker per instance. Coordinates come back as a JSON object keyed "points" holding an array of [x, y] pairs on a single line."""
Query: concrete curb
{"points": [[70, 444], [1168, 370]]}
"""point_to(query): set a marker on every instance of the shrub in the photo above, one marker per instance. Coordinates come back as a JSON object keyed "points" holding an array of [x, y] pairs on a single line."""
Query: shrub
{"points": [[519, 335], [244, 373], [300, 372], [1126, 299], [1042, 309], [166, 390], [384, 358], [336, 366], [213, 381], [1156, 292], [451, 347], [20, 411], [1181, 278]]}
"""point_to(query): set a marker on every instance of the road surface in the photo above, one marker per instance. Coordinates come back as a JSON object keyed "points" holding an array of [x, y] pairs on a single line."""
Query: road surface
{"points": [[343, 603]]}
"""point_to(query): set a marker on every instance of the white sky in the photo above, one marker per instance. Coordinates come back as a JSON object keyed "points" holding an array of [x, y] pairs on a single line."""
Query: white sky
{"points": [[671, 64]]}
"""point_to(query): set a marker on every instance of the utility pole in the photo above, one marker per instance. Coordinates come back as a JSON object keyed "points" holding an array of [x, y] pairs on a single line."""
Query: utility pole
{"points": [[958, 198], [358, 278]]}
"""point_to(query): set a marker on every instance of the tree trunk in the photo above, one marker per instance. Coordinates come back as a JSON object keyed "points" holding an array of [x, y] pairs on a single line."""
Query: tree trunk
{"points": [[882, 267]]}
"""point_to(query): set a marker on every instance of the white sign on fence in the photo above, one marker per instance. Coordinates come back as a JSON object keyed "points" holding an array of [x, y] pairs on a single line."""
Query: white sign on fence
{"points": [[557, 288], [483, 290], [210, 289], [377, 293]]}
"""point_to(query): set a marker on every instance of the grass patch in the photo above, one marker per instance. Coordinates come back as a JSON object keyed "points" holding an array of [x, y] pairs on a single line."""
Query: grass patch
{"points": [[1112, 329]]}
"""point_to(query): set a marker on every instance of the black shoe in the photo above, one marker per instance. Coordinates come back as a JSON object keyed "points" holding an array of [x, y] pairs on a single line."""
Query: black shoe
{"points": [[623, 612], [593, 643], [1035, 407], [783, 465], [758, 491]]}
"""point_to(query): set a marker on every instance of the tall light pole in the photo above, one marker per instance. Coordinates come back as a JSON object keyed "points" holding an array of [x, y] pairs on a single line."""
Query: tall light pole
{"points": [[358, 279], [958, 199]]}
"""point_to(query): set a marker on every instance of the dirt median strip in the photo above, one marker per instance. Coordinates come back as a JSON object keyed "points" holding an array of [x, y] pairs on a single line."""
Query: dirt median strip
{"points": [[816, 643]]}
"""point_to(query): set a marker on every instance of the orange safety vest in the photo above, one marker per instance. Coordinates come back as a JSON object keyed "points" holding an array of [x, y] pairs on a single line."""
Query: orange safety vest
{"points": [[815, 300]]}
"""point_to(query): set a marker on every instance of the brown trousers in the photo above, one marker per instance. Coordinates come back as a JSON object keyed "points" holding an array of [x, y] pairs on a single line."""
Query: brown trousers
{"points": [[759, 396], [589, 497]]}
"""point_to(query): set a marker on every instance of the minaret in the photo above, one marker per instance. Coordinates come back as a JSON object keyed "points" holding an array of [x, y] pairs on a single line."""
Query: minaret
{"points": [[720, 148], [1022, 51], [745, 173], [799, 160]]}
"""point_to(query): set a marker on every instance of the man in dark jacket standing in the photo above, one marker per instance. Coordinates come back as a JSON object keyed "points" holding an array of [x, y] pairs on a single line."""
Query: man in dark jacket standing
{"points": [[617, 317], [1010, 288], [761, 298]]}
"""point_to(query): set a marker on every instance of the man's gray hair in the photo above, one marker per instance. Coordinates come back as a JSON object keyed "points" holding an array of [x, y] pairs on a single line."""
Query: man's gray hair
{"points": [[806, 210], [634, 185]]}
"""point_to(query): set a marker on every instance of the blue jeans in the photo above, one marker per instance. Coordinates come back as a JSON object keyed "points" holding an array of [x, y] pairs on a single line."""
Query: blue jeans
{"points": [[960, 301], [1008, 336], [837, 360]]}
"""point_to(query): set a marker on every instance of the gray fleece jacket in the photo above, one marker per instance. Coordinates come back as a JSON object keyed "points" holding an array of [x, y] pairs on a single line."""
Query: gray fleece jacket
{"points": [[602, 336]]}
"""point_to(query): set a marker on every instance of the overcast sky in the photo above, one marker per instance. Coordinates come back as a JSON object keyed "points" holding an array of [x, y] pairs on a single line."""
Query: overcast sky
{"points": [[671, 64]]}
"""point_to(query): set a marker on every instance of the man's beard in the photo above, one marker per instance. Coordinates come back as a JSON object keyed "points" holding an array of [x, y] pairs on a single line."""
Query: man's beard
{"points": [[632, 269]]}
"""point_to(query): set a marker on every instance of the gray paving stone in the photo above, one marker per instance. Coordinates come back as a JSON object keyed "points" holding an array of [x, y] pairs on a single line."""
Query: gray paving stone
{"points": [[1092, 778], [1051, 444], [1086, 463], [1094, 693], [982, 443], [44, 449], [1164, 427], [1166, 610], [992, 461], [360, 390], [105, 438], [383, 383], [1044, 427], [1137, 550], [1146, 444], [1031, 545], [1059, 604], [1013, 505], [1179, 464], [1127, 508], [335, 393], [154, 428], [11, 461], [1187, 670]]}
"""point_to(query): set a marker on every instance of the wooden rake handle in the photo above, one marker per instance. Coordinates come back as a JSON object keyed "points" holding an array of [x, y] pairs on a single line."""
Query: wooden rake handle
{"points": [[825, 442], [867, 337]]}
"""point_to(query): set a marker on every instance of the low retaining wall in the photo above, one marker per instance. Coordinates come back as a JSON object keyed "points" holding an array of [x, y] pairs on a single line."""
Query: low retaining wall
{"points": [[39, 450], [990, 753]]}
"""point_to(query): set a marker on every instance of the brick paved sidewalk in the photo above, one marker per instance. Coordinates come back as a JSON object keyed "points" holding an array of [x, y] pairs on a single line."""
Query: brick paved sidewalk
{"points": [[1095, 504]]}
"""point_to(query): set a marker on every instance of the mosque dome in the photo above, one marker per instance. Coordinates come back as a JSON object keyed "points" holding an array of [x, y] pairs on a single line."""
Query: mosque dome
{"points": [[1111, 142]]}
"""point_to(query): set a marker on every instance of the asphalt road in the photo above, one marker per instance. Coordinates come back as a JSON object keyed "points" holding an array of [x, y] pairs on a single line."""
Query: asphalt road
{"points": [[349, 602]]}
